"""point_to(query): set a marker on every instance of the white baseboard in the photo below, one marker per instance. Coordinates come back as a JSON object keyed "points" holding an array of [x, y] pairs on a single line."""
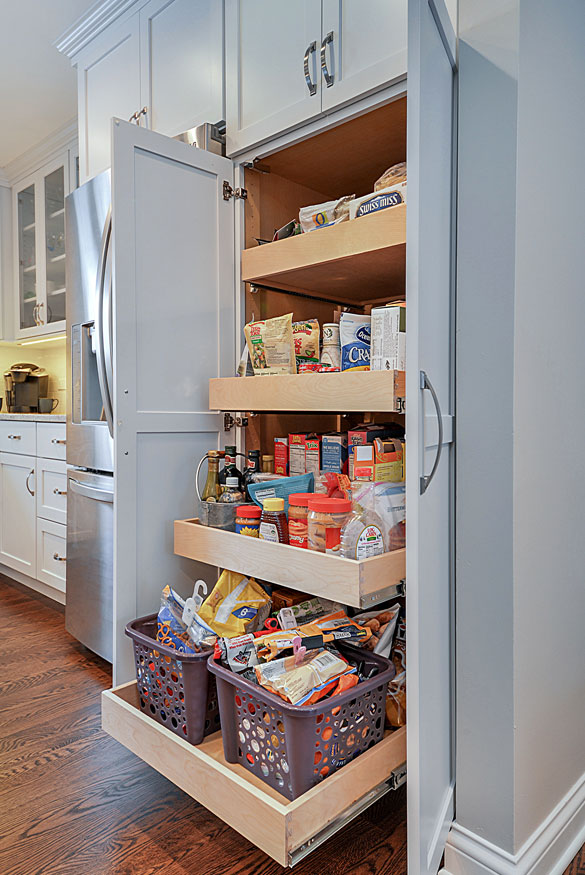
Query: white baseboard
{"points": [[37, 585], [548, 851]]}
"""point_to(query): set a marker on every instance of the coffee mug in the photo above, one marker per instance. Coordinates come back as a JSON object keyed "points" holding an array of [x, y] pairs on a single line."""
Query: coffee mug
{"points": [[47, 405]]}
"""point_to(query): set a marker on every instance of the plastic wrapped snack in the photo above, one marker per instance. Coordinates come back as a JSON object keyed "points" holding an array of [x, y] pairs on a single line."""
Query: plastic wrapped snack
{"points": [[396, 701], [303, 680], [392, 176], [322, 215], [271, 346], [364, 534], [306, 341], [391, 506], [383, 625], [237, 605]]}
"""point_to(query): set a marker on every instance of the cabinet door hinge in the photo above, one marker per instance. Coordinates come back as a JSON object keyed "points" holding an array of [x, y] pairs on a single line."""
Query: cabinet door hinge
{"points": [[229, 421], [229, 192]]}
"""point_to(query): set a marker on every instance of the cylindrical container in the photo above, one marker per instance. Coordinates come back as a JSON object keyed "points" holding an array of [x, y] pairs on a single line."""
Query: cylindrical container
{"points": [[327, 516], [248, 520], [298, 509], [229, 469], [252, 467], [231, 493], [268, 464], [331, 351], [273, 524], [212, 490]]}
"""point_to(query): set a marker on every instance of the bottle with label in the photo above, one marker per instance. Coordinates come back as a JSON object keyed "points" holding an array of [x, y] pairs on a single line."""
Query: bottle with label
{"points": [[273, 522], [211, 490], [268, 464], [232, 494], [229, 469], [252, 467]]}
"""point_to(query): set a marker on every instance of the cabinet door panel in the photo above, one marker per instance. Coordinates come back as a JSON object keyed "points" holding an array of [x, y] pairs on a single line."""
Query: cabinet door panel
{"points": [[51, 490], [368, 49], [181, 58], [51, 553], [17, 513], [266, 92]]}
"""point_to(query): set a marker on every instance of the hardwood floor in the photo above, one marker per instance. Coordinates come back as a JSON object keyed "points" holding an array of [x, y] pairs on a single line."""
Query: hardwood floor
{"points": [[75, 802]]}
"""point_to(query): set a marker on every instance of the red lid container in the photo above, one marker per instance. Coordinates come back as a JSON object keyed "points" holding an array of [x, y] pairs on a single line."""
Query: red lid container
{"points": [[250, 511], [329, 505], [300, 499]]}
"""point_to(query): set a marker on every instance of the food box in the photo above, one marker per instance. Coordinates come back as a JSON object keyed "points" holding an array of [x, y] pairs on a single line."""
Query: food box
{"points": [[313, 454], [388, 338], [381, 461], [281, 456], [392, 196], [296, 454], [334, 452]]}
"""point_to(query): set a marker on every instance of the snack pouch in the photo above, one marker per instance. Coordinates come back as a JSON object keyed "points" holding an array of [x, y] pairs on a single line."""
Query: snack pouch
{"points": [[271, 346], [354, 335], [171, 631], [236, 605], [327, 213], [306, 340], [391, 506], [306, 680], [383, 626]]}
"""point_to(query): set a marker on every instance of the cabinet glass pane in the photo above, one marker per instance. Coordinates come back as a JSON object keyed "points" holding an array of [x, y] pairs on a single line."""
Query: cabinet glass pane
{"points": [[55, 245], [27, 274]]}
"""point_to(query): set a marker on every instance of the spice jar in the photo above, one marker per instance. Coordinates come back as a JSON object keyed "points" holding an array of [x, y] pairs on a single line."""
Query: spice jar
{"points": [[326, 518], [297, 518], [248, 520], [273, 524], [268, 464]]}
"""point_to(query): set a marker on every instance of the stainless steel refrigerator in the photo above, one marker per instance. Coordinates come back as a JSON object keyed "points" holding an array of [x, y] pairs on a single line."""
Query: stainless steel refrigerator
{"points": [[90, 445]]}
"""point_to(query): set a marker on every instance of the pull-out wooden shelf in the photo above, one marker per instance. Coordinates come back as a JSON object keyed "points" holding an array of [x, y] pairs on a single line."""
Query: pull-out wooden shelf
{"points": [[359, 260], [359, 584], [341, 392], [284, 830]]}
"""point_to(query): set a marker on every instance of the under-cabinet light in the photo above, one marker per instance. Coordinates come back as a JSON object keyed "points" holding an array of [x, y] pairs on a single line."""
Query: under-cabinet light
{"points": [[43, 340]]}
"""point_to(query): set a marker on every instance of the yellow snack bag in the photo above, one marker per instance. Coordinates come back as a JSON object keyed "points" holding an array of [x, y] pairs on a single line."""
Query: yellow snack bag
{"points": [[236, 605]]}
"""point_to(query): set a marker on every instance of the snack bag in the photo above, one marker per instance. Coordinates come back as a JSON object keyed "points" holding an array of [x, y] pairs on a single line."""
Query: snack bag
{"points": [[396, 701], [383, 626], [304, 680], [171, 630], [271, 346], [354, 334], [236, 605], [322, 215], [306, 341]]}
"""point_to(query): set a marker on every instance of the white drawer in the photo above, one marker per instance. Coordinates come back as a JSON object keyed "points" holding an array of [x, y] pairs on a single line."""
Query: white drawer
{"points": [[51, 553], [51, 490], [51, 440], [17, 436]]}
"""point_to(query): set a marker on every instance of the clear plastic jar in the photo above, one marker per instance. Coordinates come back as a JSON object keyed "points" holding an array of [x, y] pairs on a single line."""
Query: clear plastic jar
{"points": [[298, 509], [326, 518]]}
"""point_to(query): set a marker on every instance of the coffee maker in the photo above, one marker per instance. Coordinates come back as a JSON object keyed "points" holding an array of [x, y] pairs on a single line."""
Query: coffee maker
{"points": [[24, 384]]}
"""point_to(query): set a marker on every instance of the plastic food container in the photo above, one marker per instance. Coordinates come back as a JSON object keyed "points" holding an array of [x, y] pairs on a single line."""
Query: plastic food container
{"points": [[327, 516], [175, 689], [292, 747], [298, 509], [248, 520], [273, 521]]}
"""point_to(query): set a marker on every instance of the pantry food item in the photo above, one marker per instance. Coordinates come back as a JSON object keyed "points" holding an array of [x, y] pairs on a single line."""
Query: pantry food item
{"points": [[273, 523], [237, 604], [275, 486], [307, 612], [283, 597], [212, 489], [281, 456], [332, 484], [310, 368], [271, 346], [311, 636], [334, 452], [304, 453], [392, 176], [322, 215], [268, 464], [238, 653], [298, 509], [390, 194], [331, 351], [354, 333], [306, 680], [390, 502], [327, 516], [388, 343], [229, 468], [383, 625], [379, 461], [174, 631], [248, 520], [306, 341], [231, 492], [363, 535], [396, 701], [252, 467]]}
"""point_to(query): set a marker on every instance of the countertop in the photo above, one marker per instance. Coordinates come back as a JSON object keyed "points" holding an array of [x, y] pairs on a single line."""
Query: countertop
{"points": [[35, 417]]}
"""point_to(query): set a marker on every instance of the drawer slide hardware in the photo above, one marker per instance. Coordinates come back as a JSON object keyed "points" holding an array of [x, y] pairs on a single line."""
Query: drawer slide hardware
{"points": [[229, 192], [229, 421], [382, 595]]}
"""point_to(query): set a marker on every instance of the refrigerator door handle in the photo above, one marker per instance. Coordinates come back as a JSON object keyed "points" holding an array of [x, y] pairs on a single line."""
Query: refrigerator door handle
{"points": [[91, 491], [107, 323], [99, 323]]}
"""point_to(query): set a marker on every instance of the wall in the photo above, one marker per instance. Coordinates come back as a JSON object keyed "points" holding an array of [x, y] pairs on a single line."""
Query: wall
{"points": [[50, 356]]}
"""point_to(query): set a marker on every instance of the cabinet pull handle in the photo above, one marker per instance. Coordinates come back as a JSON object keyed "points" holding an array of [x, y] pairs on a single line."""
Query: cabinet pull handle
{"points": [[425, 480], [30, 473], [310, 84], [35, 314], [58, 558], [135, 117], [14, 437], [59, 491], [57, 441], [329, 78], [41, 320]]}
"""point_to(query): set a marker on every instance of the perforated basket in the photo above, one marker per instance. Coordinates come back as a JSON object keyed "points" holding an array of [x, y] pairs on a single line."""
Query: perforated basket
{"points": [[293, 747], [176, 689]]}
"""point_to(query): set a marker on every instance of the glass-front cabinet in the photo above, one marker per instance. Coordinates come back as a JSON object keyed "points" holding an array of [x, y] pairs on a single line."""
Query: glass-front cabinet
{"points": [[39, 206]]}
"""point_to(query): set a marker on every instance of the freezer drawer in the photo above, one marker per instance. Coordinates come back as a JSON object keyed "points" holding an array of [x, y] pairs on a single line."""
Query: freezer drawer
{"points": [[90, 567]]}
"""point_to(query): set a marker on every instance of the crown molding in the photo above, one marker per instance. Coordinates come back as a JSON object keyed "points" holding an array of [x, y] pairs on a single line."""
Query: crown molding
{"points": [[40, 154], [4, 178], [93, 22]]}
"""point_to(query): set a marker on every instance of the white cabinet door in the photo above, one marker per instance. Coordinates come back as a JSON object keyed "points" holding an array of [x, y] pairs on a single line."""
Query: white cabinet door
{"points": [[51, 490], [51, 553], [174, 328], [266, 90], [17, 513], [181, 59], [429, 523], [108, 82], [363, 47]]}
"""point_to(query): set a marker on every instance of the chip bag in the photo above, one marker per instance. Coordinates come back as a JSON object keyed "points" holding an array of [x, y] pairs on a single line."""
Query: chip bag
{"points": [[236, 605]]}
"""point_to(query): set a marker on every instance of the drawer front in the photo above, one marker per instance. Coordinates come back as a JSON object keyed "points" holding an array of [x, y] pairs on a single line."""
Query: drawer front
{"points": [[51, 490], [51, 440], [51, 553], [17, 436]]}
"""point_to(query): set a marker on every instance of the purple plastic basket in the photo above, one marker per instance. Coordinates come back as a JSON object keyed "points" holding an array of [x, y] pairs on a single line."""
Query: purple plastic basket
{"points": [[176, 689], [293, 747]]}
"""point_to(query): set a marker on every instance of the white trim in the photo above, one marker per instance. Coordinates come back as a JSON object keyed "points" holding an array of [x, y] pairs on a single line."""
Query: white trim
{"points": [[38, 586], [36, 157], [93, 22], [548, 851], [4, 179]]}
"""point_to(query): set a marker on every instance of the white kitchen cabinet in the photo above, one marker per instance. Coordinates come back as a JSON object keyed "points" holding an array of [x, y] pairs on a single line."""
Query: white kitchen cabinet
{"points": [[51, 440], [51, 490], [18, 436], [18, 513], [181, 63], [51, 553]]}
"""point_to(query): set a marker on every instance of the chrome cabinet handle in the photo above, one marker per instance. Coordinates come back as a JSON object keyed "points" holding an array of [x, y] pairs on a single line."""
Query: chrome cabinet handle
{"points": [[30, 473], [58, 558], [425, 480], [14, 437], [41, 320], [59, 491], [36, 314], [57, 441], [136, 116], [329, 79], [310, 84]]}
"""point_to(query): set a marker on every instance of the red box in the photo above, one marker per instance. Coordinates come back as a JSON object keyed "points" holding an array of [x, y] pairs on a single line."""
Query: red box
{"points": [[281, 455]]}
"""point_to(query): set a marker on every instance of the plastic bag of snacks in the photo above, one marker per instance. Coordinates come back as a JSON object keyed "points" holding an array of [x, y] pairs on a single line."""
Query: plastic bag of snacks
{"points": [[172, 629], [383, 626], [392, 176], [364, 534], [391, 506], [306, 678], [322, 215], [306, 341], [271, 346], [237, 604]]}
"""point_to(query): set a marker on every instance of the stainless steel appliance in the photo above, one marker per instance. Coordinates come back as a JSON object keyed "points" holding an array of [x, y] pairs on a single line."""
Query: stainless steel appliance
{"points": [[24, 384], [90, 446]]}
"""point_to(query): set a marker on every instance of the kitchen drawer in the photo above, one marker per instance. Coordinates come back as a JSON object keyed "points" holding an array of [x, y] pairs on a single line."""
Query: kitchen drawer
{"points": [[17, 436], [51, 440], [51, 553], [51, 490]]}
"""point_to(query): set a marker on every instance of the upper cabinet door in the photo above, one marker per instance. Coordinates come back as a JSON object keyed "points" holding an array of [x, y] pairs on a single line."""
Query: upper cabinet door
{"points": [[181, 58], [108, 85], [363, 47], [266, 89], [429, 425]]}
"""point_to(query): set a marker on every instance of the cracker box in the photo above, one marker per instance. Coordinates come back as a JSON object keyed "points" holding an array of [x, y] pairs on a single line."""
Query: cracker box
{"points": [[392, 196], [281, 456], [313, 454], [296, 453], [382, 461], [388, 338], [334, 452], [362, 434]]}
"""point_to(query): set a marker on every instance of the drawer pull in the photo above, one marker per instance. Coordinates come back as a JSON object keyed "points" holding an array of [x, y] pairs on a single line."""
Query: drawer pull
{"points": [[59, 491], [30, 473], [58, 558], [14, 437], [57, 441]]}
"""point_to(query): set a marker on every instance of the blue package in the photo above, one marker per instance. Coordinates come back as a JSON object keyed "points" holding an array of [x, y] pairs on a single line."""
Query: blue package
{"points": [[354, 336], [281, 488], [334, 452]]}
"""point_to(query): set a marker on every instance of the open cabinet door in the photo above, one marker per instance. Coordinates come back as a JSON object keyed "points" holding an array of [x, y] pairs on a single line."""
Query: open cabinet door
{"points": [[430, 405], [174, 328]]}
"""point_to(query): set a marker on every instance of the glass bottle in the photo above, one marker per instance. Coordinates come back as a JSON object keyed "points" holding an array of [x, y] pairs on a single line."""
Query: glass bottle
{"points": [[231, 493], [211, 490], [268, 464], [252, 467], [229, 468]]}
